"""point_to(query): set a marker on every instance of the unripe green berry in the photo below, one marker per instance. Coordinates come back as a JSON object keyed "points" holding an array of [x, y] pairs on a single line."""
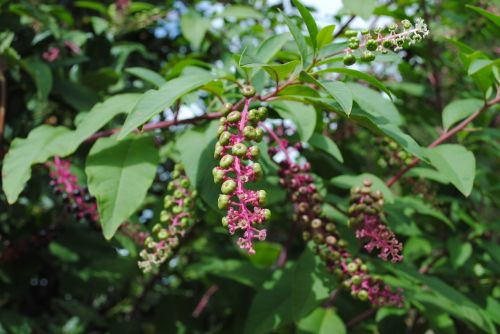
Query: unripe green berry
{"points": [[228, 187], [185, 183], [254, 151], [248, 91], [226, 161], [267, 214], [363, 295], [316, 223], [365, 32], [371, 45], [331, 240], [220, 130], [218, 151], [349, 60], [253, 115], [234, 116], [257, 169], [162, 235], [223, 201], [350, 33], [224, 221], [157, 228], [218, 174], [259, 134], [262, 195], [367, 56], [356, 280], [387, 44], [249, 132], [352, 267], [239, 149], [226, 108], [406, 24], [224, 138], [262, 113]]}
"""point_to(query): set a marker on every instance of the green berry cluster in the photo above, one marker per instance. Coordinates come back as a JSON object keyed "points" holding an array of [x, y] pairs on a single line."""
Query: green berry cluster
{"points": [[391, 155], [362, 45], [176, 219]]}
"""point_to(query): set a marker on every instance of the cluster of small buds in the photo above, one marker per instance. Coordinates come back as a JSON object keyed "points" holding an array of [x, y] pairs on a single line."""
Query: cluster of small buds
{"points": [[365, 215], [176, 219], [77, 199], [53, 53], [308, 213], [391, 154], [236, 152], [395, 39]]}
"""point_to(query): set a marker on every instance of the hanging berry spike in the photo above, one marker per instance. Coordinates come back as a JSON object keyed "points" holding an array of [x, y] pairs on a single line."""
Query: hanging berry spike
{"points": [[237, 153], [365, 215], [327, 243], [77, 199], [176, 219]]}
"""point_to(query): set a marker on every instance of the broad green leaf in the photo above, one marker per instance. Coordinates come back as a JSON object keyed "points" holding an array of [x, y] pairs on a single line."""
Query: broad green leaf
{"points": [[146, 75], [309, 21], [460, 251], [41, 75], [63, 253], [299, 40], [266, 253], [489, 15], [478, 65], [336, 89], [374, 103], [76, 95], [303, 115], [459, 110], [424, 208], [322, 321], [268, 49], [456, 163], [155, 101], [349, 181], [363, 8], [277, 72], [194, 27], [241, 12], [42, 142], [92, 5], [325, 36], [196, 148], [288, 296], [359, 75], [327, 145], [119, 174], [428, 173], [341, 93]]}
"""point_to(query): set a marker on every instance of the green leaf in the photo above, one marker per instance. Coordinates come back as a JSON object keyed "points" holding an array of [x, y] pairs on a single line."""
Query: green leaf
{"points": [[299, 40], [363, 8], [349, 181], [424, 208], [155, 101], [196, 148], [489, 15], [459, 110], [327, 145], [288, 296], [268, 48], [277, 72], [42, 142], [336, 89], [146, 75], [241, 12], [309, 21], [325, 36], [119, 173], [456, 163], [63, 253], [194, 27], [428, 173], [322, 321], [266, 253], [478, 65], [460, 251], [41, 75], [303, 115], [92, 5], [359, 75], [374, 103]]}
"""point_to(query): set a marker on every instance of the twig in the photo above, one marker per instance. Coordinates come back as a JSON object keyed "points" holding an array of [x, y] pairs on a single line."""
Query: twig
{"points": [[202, 304], [362, 316], [344, 26], [444, 137]]}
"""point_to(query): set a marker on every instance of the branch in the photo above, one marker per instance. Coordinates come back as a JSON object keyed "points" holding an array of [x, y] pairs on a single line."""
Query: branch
{"points": [[445, 136], [3, 101], [344, 26], [362, 316], [202, 304]]}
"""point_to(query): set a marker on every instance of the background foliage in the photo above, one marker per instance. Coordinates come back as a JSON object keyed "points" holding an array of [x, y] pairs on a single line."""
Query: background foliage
{"points": [[120, 65]]}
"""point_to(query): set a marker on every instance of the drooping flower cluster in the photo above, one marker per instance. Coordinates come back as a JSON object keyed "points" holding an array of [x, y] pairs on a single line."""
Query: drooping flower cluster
{"points": [[365, 215], [395, 40], [308, 213], [77, 199], [176, 219], [237, 166]]}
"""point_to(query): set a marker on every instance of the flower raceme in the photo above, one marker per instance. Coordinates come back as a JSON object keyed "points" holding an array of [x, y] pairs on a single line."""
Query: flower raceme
{"points": [[77, 199], [366, 217], [237, 157], [374, 41], [176, 219], [308, 213]]}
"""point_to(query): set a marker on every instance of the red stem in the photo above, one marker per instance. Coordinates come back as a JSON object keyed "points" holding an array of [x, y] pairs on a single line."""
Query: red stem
{"points": [[202, 304], [444, 137]]}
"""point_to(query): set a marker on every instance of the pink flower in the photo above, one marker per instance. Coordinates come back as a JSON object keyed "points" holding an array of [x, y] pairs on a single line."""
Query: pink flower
{"points": [[51, 55]]}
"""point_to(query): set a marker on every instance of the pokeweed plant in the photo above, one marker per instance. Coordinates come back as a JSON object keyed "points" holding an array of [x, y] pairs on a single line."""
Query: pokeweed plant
{"points": [[271, 130]]}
